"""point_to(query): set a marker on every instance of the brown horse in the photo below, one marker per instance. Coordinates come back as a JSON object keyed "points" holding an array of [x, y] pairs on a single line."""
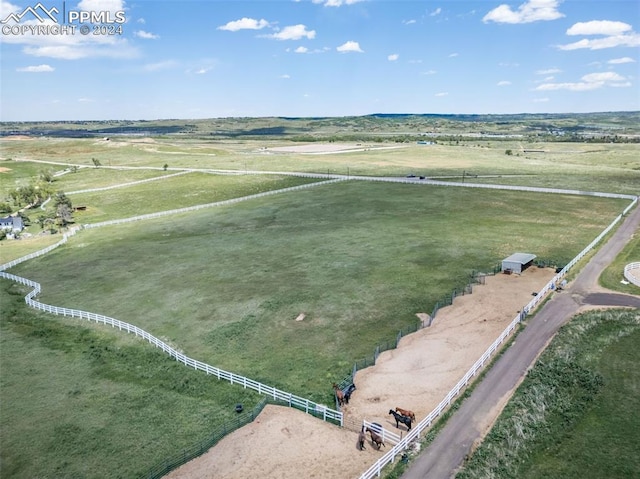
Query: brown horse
{"points": [[375, 438], [339, 394], [361, 438], [406, 412]]}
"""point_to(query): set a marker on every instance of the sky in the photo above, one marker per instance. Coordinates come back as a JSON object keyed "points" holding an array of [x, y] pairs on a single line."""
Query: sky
{"points": [[187, 59]]}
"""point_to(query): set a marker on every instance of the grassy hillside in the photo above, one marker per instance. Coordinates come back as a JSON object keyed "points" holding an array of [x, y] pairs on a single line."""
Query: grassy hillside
{"points": [[575, 415]]}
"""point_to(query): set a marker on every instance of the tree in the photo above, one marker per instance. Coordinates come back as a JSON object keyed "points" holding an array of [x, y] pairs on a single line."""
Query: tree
{"points": [[96, 162], [46, 176], [64, 209], [508, 152]]}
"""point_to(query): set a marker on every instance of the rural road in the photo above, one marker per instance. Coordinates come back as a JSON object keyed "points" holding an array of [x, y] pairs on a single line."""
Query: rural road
{"points": [[478, 412]]}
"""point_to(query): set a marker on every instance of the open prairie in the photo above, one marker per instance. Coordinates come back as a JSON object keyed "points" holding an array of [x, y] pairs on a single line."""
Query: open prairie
{"points": [[225, 284]]}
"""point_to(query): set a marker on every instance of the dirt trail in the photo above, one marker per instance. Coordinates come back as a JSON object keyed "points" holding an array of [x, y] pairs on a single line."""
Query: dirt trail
{"points": [[285, 443]]}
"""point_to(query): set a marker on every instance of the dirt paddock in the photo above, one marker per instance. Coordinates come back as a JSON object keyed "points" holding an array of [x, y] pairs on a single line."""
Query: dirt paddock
{"points": [[284, 443]]}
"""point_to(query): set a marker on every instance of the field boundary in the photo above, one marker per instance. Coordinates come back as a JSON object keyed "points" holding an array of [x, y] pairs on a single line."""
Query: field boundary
{"points": [[317, 410], [376, 469], [632, 273]]}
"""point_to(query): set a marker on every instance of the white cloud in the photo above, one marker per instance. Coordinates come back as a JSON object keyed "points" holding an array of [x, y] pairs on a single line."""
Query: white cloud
{"points": [[350, 46], [630, 40], [146, 35], [293, 32], [285, 76], [453, 55], [437, 11], [504, 83], [102, 5], [612, 34], [163, 65], [36, 69], [7, 8], [540, 100], [591, 81], [336, 3], [301, 50], [548, 71], [203, 70], [408, 22], [599, 27], [244, 24], [528, 12], [393, 57], [619, 61], [444, 93], [429, 72]]}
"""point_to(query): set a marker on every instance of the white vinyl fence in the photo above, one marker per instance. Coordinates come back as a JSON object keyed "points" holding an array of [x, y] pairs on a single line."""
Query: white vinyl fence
{"points": [[376, 469], [310, 407], [303, 404], [632, 273]]}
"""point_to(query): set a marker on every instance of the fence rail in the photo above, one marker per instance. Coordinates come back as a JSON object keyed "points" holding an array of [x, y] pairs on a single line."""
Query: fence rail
{"points": [[632, 273], [303, 404], [310, 407], [397, 450]]}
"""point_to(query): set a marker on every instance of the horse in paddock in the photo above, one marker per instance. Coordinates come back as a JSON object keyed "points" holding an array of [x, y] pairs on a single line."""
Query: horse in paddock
{"points": [[401, 419], [406, 412], [349, 392], [339, 394], [361, 438], [375, 438]]}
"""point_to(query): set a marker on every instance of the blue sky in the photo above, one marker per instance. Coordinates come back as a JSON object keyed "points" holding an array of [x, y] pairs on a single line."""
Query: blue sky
{"points": [[205, 59]]}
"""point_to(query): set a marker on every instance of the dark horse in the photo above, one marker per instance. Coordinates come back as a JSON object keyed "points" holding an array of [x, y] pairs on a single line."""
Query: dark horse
{"points": [[401, 419], [375, 438], [361, 438]]}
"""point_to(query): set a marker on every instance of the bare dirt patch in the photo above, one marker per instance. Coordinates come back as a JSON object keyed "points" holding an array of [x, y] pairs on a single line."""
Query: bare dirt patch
{"points": [[285, 443], [328, 148]]}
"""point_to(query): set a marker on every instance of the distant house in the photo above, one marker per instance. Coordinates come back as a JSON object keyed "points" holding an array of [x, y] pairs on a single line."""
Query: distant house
{"points": [[11, 224]]}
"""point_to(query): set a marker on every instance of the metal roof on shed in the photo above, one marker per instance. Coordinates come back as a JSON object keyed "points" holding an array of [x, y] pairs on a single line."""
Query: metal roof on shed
{"points": [[521, 258]]}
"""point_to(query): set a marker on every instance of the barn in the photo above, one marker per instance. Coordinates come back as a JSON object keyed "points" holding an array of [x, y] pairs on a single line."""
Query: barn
{"points": [[517, 262]]}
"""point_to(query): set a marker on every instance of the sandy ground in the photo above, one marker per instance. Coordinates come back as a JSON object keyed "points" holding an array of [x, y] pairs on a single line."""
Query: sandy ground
{"points": [[284, 443], [328, 148]]}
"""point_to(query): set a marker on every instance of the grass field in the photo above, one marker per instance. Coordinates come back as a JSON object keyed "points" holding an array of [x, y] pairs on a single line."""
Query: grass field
{"points": [[225, 284], [560, 165], [80, 401], [575, 415]]}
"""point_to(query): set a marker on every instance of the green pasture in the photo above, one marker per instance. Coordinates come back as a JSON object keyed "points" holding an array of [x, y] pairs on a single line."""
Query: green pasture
{"points": [[613, 275], [175, 192], [582, 166], [81, 401], [358, 259], [224, 285], [575, 414]]}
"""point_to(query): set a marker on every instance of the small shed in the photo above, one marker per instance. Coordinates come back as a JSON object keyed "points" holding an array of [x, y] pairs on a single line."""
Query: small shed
{"points": [[517, 262]]}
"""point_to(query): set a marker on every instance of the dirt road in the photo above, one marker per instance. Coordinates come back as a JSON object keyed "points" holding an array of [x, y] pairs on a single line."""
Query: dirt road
{"points": [[476, 415]]}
